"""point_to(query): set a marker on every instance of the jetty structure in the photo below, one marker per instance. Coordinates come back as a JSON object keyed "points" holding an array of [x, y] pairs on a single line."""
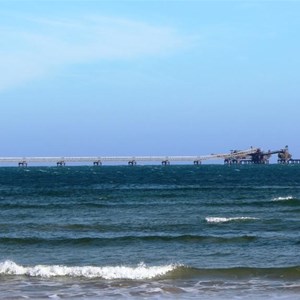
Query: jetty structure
{"points": [[261, 157], [249, 156]]}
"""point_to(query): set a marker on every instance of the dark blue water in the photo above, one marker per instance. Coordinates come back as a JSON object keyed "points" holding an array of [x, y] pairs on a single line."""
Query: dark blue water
{"points": [[150, 231]]}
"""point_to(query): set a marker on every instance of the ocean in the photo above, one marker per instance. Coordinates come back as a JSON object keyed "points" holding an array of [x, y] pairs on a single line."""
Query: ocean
{"points": [[150, 232]]}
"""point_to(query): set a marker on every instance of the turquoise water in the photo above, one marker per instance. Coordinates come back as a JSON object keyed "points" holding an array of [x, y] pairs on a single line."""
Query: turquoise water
{"points": [[158, 232]]}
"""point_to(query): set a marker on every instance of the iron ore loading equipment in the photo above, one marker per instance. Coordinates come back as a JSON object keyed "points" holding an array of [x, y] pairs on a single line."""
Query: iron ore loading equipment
{"points": [[261, 157]]}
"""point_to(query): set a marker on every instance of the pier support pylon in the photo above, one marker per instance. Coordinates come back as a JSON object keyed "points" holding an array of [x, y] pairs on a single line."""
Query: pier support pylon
{"points": [[22, 163], [97, 163]]}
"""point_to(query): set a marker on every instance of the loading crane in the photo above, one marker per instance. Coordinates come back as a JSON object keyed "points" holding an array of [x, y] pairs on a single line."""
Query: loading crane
{"points": [[284, 157], [261, 157]]}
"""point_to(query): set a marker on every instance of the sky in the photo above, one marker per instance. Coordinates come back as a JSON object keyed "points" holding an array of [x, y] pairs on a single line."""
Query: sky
{"points": [[85, 78]]}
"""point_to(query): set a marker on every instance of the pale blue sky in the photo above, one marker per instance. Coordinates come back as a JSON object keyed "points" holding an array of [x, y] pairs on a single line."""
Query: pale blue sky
{"points": [[148, 77]]}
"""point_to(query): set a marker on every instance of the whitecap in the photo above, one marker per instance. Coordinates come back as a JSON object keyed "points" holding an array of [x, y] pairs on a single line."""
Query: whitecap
{"points": [[224, 220], [283, 198], [54, 296], [139, 272]]}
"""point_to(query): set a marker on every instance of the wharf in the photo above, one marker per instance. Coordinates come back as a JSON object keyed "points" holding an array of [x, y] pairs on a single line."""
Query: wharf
{"points": [[248, 156], [130, 160]]}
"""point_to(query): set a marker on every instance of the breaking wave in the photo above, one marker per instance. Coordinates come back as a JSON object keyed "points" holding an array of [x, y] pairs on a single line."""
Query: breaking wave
{"points": [[287, 201], [143, 272], [139, 272], [283, 198], [224, 220]]}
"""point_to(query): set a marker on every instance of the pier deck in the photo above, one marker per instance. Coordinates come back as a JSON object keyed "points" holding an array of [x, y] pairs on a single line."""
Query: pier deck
{"points": [[131, 160], [249, 156], [98, 160]]}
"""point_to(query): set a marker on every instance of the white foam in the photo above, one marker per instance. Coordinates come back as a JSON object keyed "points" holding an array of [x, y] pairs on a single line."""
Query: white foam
{"points": [[119, 272], [283, 198], [223, 219]]}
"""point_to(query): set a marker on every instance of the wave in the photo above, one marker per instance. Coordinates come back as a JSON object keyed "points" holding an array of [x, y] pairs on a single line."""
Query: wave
{"points": [[287, 201], [102, 241], [280, 273], [144, 272], [53, 205], [283, 198], [139, 272], [225, 220]]}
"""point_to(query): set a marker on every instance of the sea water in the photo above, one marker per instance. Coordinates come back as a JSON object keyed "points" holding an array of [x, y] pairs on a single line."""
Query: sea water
{"points": [[151, 232]]}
